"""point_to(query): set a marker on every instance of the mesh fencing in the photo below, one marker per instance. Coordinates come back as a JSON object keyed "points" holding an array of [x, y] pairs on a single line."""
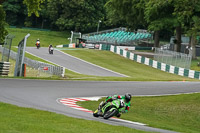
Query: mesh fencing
{"points": [[7, 46], [173, 58], [40, 69]]}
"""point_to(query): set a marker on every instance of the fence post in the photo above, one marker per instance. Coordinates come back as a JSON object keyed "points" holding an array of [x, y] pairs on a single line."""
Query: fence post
{"points": [[24, 70], [20, 56], [63, 72]]}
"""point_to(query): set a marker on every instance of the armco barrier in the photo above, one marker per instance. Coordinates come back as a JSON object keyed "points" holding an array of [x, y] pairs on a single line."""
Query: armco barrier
{"points": [[53, 70], [158, 65]]}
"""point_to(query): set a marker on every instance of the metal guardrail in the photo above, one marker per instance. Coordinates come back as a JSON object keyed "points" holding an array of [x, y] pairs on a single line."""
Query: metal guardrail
{"points": [[41, 66]]}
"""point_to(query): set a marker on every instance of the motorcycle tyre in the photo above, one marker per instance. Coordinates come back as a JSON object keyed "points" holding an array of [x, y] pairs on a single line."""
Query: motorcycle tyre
{"points": [[110, 114], [95, 114]]}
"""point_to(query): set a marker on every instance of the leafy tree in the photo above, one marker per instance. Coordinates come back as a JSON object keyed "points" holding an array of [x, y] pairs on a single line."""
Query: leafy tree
{"points": [[15, 12], [159, 15], [78, 15], [129, 12], [33, 6], [40, 22], [188, 12], [113, 15], [178, 14], [3, 31]]}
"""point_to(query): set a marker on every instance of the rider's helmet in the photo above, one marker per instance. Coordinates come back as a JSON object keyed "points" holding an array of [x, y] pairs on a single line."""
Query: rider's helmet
{"points": [[128, 97], [38, 39]]}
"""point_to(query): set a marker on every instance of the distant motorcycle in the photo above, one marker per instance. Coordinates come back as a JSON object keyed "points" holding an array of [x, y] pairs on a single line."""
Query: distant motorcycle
{"points": [[38, 43], [38, 46], [110, 109], [51, 50]]}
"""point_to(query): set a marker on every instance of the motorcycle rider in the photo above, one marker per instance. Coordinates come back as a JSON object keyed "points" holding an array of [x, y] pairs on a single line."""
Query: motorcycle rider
{"points": [[38, 43], [127, 99], [50, 47]]}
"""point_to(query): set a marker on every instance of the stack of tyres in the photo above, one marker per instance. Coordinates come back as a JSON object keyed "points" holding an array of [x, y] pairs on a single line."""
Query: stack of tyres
{"points": [[4, 68]]}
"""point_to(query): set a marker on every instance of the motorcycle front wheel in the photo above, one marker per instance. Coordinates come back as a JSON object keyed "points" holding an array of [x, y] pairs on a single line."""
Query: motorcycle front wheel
{"points": [[109, 114], [95, 114]]}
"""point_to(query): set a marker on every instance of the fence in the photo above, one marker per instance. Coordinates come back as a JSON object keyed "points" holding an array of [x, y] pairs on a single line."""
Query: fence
{"points": [[7, 46], [155, 64], [173, 58], [42, 67]]}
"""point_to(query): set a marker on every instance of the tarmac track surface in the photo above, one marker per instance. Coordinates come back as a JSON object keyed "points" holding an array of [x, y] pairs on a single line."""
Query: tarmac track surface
{"points": [[43, 94], [72, 63]]}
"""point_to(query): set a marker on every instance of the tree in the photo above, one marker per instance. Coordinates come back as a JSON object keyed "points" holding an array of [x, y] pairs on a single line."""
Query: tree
{"points": [[3, 31], [129, 12], [15, 12], [33, 6], [78, 15], [112, 17], [159, 15], [188, 12]]}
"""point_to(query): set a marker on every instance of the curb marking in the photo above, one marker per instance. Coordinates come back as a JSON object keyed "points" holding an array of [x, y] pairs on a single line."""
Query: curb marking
{"points": [[71, 102]]}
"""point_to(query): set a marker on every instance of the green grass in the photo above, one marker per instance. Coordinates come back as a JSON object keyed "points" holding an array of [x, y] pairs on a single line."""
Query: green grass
{"points": [[178, 113], [46, 37], [30, 72], [135, 71], [14, 119], [194, 64]]}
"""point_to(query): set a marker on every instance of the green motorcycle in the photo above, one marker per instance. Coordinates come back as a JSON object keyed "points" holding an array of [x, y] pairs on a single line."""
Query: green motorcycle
{"points": [[110, 109]]}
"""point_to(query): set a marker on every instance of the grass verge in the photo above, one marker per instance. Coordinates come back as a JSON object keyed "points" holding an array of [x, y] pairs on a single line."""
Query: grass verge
{"points": [[135, 71], [30, 72], [194, 65], [178, 113], [15, 119], [46, 37]]}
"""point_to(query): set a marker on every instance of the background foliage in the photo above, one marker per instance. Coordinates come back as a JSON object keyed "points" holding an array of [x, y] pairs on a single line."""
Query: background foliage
{"points": [[162, 17]]}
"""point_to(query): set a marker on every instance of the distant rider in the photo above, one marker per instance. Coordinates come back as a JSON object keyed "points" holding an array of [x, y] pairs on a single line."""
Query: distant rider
{"points": [[50, 46], [127, 100], [38, 43], [50, 49]]}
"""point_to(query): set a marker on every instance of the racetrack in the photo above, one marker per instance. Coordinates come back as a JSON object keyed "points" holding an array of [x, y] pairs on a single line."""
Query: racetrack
{"points": [[43, 94], [72, 63]]}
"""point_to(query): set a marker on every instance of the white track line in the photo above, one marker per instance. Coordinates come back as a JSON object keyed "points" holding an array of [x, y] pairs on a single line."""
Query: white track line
{"points": [[94, 64]]}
